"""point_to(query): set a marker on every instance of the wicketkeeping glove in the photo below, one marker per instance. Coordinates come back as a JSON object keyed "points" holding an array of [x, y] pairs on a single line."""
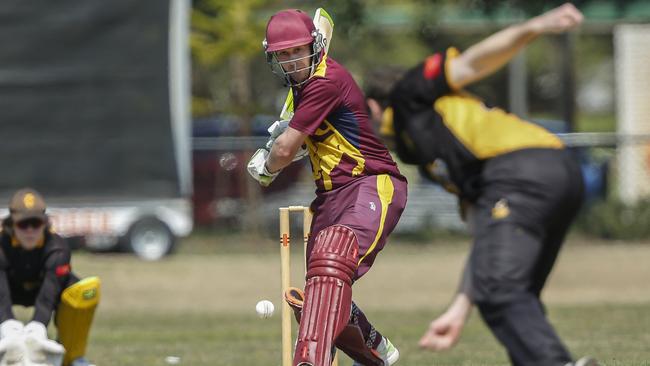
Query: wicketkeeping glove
{"points": [[10, 328], [40, 349], [12, 349]]}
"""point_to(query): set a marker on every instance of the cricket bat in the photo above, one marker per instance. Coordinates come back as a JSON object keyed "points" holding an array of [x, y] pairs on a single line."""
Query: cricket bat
{"points": [[325, 25]]}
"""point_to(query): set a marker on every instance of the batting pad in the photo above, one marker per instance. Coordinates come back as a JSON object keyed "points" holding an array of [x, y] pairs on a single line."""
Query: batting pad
{"points": [[75, 315], [328, 294]]}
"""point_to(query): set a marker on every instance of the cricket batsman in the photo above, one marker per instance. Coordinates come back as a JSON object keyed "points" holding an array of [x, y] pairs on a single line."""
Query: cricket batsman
{"points": [[360, 193], [518, 187], [35, 271]]}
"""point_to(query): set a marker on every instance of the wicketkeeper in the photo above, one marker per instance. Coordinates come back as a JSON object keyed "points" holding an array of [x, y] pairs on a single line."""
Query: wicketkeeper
{"points": [[360, 193], [518, 186], [35, 271]]}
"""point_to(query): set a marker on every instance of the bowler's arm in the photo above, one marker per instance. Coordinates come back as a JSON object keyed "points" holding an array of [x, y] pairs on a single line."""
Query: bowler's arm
{"points": [[490, 54]]}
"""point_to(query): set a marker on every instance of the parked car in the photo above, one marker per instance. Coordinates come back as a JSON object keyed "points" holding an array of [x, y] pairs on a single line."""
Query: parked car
{"points": [[97, 120]]}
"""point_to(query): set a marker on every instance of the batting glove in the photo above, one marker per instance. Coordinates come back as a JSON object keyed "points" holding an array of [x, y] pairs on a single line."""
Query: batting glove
{"points": [[257, 168], [276, 129]]}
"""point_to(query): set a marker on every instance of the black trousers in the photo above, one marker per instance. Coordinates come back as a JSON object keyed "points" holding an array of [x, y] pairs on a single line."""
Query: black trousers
{"points": [[529, 199]]}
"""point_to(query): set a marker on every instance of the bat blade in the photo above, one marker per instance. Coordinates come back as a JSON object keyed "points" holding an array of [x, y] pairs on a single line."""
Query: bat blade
{"points": [[324, 23]]}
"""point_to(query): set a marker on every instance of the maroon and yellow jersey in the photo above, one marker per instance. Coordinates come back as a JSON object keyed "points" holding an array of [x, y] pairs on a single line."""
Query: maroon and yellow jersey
{"points": [[342, 145]]}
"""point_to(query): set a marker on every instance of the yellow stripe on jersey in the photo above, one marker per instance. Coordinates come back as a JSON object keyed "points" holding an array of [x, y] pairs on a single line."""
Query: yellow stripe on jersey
{"points": [[287, 109], [326, 155], [385, 191], [321, 69], [489, 132]]}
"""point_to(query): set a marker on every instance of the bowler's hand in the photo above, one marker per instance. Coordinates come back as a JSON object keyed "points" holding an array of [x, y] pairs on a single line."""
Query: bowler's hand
{"points": [[443, 332], [558, 20]]}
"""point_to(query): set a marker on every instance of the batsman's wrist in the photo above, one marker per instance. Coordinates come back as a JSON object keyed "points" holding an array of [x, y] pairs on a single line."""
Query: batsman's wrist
{"points": [[266, 171]]}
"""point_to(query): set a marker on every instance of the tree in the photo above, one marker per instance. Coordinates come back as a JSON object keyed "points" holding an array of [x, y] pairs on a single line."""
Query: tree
{"points": [[225, 34]]}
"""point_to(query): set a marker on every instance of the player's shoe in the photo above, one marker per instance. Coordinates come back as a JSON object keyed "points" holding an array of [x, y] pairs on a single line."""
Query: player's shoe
{"points": [[584, 361], [81, 361], [388, 352]]}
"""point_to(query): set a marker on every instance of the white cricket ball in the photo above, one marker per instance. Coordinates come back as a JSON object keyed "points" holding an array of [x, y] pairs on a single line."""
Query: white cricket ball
{"points": [[172, 360], [264, 309]]}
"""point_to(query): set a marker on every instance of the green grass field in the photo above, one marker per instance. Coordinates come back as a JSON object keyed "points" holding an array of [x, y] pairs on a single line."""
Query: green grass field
{"points": [[199, 303]]}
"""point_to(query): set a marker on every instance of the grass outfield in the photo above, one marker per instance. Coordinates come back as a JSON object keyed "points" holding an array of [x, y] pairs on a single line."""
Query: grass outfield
{"points": [[199, 304]]}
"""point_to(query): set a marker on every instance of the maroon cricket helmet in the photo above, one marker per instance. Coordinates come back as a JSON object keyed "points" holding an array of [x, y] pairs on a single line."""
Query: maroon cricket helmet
{"points": [[289, 28]]}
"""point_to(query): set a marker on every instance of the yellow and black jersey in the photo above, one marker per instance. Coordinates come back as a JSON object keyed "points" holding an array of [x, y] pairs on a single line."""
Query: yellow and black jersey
{"points": [[434, 121], [32, 277]]}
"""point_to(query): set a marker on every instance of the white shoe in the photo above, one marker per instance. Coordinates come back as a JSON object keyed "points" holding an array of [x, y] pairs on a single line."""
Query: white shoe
{"points": [[81, 362], [388, 353], [584, 361]]}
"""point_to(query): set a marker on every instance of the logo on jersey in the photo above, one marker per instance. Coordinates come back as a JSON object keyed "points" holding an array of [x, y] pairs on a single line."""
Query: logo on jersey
{"points": [[373, 206], [62, 270], [500, 209], [432, 66]]}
